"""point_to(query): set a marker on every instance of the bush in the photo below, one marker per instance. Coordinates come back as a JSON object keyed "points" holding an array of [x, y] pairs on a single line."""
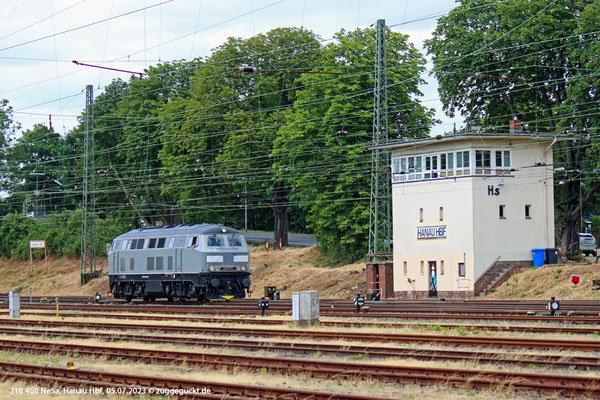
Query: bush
{"points": [[574, 256], [62, 233]]}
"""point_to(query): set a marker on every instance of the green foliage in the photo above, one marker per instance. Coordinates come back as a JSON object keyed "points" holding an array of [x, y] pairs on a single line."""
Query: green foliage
{"points": [[499, 60], [574, 256], [557, 273], [360, 356], [321, 153], [194, 139], [62, 233]]}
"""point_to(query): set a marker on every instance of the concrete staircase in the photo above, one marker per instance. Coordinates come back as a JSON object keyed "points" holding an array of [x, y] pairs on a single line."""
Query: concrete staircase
{"points": [[497, 274]]}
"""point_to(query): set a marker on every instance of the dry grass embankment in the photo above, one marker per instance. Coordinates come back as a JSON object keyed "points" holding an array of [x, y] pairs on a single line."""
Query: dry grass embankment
{"points": [[55, 277], [290, 269], [296, 269], [551, 281]]}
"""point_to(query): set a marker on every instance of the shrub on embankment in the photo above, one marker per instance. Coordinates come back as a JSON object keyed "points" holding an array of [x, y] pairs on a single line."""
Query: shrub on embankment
{"points": [[62, 233]]}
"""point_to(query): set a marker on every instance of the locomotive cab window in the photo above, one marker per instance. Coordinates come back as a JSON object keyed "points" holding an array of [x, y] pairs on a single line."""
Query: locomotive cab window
{"points": [[192, 241], [133, 244], [161, 243], [214, 241], [179, 241], [140, 244], [152, 243], [235, 240]]}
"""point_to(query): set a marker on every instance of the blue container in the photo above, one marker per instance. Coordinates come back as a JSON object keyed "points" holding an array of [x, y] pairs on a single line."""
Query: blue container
{"points": [[538, 257]]}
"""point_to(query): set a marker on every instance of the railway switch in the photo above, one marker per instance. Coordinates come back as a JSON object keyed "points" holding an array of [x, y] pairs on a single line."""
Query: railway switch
{"points": [[263, 304]]}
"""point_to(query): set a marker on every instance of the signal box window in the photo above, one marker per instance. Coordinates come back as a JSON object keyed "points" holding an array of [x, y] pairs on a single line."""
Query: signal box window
{"points": [[501, 212], [483, 162], [461, 269], [528, 211]]}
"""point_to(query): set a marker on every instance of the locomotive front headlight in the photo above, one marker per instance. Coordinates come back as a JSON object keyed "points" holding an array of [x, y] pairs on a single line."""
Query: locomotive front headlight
{"points": [[243, 268], [211, 268]]}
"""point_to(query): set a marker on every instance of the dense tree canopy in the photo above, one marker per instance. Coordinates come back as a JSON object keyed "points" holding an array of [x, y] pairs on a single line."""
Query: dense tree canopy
{"points": [[535, 61], [322, 153]]}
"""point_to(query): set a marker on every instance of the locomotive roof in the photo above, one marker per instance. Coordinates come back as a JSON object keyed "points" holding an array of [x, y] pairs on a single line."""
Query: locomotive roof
{"points": [[176, 230]]}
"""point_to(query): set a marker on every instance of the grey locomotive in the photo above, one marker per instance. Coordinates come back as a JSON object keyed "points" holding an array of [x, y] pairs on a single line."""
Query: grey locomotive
{"points": [[199, 262]]}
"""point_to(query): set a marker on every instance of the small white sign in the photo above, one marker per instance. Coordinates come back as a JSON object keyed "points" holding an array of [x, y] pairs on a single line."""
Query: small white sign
{"points": [[37, 244], [431, 232]]}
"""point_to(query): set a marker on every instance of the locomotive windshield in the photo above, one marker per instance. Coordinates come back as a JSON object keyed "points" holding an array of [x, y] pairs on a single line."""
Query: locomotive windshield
{"points": [[214, 241], [236, 240]]}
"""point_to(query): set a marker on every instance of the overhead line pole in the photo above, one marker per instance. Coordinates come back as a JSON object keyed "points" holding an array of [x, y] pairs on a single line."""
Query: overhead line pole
{"points": [[380, 213], [88, 205]]}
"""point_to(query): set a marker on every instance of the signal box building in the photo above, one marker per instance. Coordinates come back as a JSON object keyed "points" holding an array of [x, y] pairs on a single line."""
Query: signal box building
{"points": [[467, 206]]}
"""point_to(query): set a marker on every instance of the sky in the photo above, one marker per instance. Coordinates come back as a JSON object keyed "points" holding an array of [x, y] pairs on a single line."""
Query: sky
{"points": [[39, 39]]}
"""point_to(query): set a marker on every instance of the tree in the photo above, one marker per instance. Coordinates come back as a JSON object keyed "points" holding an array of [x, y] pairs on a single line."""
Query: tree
{"points": [[8, 128], [224, 145], [531, 60], [134, 165], [322, 152], [35, 165]]}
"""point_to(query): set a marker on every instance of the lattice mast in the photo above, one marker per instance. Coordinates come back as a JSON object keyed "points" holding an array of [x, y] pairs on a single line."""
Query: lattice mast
{"points": [[88, 205], [380, 209]]}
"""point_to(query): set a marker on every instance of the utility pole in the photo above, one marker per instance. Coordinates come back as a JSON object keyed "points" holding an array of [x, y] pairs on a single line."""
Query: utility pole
{"points": [[380, 213], [88, 206]]}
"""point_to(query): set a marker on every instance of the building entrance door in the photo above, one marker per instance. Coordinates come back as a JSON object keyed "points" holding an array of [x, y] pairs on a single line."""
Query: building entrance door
{"points": [[432, 279]]}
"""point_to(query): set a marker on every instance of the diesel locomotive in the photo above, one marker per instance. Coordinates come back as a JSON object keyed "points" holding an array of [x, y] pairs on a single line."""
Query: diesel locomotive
{"points": [[196, 262]]}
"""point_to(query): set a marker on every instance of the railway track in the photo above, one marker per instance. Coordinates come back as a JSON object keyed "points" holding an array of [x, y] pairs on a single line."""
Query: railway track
{"points": [[346, 324], [528, 360], [484, 307], [247, 310], [130, 384], [567, 386], [445, 340]]}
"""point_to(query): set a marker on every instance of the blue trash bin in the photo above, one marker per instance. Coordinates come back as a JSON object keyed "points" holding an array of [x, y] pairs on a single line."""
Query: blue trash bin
{"points": [[538, 257]]}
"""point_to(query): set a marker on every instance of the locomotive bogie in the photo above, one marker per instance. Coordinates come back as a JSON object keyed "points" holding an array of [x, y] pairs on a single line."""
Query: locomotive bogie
{"points": [[202, 262]]}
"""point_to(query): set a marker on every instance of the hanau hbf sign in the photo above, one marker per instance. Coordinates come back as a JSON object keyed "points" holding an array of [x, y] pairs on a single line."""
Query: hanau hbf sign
{"points": [[431, 232]]}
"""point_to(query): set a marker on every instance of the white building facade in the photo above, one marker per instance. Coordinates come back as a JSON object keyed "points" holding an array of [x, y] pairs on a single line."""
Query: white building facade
{"points": [[464, 203]]}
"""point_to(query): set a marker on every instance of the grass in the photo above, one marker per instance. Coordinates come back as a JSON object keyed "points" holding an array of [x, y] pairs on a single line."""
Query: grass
{"points": [[551, 281]]}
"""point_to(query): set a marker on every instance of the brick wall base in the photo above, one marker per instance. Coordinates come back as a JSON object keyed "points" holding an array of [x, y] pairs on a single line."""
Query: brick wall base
{"points": [[424, 295]]}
